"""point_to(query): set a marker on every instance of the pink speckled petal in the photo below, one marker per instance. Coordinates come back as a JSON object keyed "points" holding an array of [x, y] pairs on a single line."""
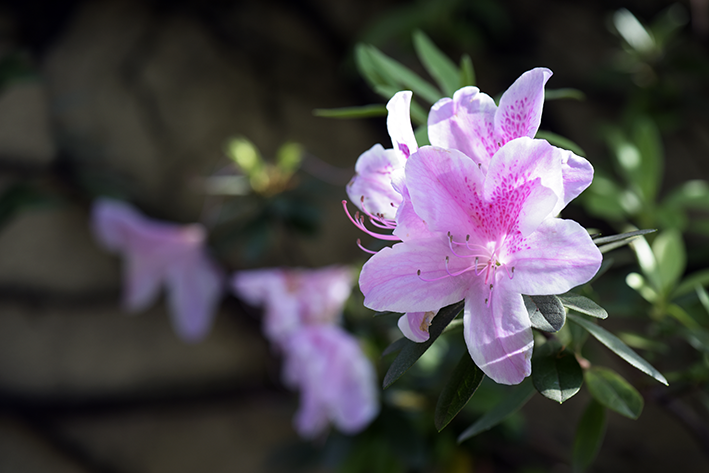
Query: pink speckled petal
{"points": [[465, 123], [557, 257], [390, 280], [524, 184], [371, 187], [414, 325], [444, 184], [498, 334], [520, 110], [399, 124]]}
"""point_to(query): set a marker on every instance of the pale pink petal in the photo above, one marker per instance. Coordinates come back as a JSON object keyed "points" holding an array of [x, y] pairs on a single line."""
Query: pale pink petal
{"points": [[256, 286], [323, 292], [520, 110], [399, 124], [465, 123], [444, 185], [557, 257], [371, 187], [390, 280], [498, 333], [195, 287], [408, 224], [143, 275], [414, 325], [112, 222], [337, 382], [578, 175]]}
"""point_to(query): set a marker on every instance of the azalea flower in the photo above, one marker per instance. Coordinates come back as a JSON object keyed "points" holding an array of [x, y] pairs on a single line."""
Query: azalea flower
{"points": [[159, 253], [337, 382], [293, 298], [302, 308], [494, 236]]}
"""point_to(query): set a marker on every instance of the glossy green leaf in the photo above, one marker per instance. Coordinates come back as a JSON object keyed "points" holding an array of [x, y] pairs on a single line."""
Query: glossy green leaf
{"points": [[411, 351], [515, 399], [671, 257], [618, 347], [467, 71], [438, 65], [690, 282], [461, 386], [560, 141], [366, 111], [582, 304], [396, 345], [546, 312], [566, 93], [589, 436], [555, 371], [648, 263], [613, 391], [404, 77]]}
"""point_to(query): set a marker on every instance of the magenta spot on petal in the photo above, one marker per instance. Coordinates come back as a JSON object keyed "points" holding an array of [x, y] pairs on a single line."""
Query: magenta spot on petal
{"points": [[404, 149]]}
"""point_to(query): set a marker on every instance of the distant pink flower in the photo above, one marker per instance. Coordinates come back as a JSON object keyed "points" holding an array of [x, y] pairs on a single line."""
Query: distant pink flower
{"points": [[293, 298], [159, 253], [494, 238], [337, 382], [302, 308]]}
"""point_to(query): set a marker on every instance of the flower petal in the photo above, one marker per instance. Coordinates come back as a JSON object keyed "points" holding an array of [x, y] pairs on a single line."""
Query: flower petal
{"points": [[195, 287], [520, 110], [371, 187], [559, 255], [399, 124], [465, 123], [414, 325], [577, 174], [498, 334], [408, 224], [444, 184], [390, 279]]}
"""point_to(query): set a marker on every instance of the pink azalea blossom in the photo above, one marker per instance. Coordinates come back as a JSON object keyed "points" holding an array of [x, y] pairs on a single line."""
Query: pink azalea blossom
{"points": [[159, 253], [293, 298], [337, 382], [471, 123], [493, 238]]}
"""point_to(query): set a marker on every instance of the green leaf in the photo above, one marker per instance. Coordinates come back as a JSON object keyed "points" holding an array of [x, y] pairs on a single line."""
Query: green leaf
{"points": [[589, 436], [582, 304], [560, 141], [648, 263], [412, 351], [546, 312], [691, 194], [441, 68], [368, 69], [604, 248], [618, 347], [671, 258], [567, 93], [402, 75], [688, 284], [515, 399], [421, 135], [703, 296], [613, 391], [461, 386], [602, 199], [555, 372], [396, 345], [366, 111], [621, 236], [648, 176], [467, 72]]}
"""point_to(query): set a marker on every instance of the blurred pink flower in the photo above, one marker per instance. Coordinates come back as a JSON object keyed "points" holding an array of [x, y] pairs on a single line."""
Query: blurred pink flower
{"points": [[494, 238], [157, 253], [293, 298], [302, 309], [337, 382]]}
